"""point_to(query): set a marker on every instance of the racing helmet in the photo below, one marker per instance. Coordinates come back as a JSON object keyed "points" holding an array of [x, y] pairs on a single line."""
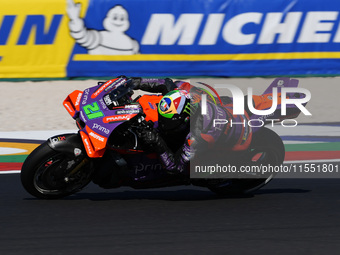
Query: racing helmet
{"points": [[174, 111]]}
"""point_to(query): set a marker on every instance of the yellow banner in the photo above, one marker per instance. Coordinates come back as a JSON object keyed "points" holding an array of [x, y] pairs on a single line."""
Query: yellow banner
{"points": [[34, 38]]}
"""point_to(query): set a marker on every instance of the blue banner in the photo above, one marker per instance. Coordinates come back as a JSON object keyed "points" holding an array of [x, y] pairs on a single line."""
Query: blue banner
{"points": [[198, 37], [169, 38], [70, 38]]}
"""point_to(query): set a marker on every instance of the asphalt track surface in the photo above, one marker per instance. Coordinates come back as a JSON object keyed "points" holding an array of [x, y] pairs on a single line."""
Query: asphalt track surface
{"points": [[288, 216]]}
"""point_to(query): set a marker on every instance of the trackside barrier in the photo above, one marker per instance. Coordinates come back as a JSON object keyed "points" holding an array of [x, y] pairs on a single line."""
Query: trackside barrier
{"points": [[63, 38]]}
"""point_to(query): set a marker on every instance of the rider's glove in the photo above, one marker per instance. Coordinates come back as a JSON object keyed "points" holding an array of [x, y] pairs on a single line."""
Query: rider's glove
{"points": [[136, 81], [152, 141], [149, 138], [154, 85]]}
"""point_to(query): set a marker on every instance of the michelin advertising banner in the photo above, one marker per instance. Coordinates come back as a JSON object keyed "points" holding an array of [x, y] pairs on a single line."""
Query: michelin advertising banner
{"points": [[71, 38]]}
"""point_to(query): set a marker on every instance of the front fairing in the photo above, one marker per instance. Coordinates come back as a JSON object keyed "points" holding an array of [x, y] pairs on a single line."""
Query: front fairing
{"points": [[97, 120]]}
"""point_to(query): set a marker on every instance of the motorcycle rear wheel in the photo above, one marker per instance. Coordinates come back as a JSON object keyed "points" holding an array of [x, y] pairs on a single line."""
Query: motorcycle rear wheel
{"points": [[266, 148], [46, 173]]}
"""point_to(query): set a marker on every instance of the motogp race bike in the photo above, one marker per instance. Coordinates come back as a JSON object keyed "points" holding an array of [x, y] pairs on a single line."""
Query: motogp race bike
{"points": [[107, 148]]}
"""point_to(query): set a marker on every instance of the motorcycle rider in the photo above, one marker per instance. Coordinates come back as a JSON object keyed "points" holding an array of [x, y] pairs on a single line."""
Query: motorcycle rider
{"points": [[178, 108]]}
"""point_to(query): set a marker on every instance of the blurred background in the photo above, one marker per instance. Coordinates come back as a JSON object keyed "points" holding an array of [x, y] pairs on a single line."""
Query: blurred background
{"points": [[48, 48]]}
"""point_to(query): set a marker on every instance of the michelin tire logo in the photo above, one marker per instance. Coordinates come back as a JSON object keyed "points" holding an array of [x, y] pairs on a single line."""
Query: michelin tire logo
{"points": [[111, 41]]}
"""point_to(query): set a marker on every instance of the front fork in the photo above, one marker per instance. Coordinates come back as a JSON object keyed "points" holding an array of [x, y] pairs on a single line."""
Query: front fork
{"points": [[68, 177], [72, 146]]}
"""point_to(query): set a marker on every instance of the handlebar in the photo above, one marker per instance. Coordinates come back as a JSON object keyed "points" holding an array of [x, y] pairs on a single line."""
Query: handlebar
{"points": [[119, 95]]}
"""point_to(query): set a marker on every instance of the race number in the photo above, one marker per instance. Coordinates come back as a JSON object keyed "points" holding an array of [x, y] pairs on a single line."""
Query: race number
{"points": [[93, 111]]}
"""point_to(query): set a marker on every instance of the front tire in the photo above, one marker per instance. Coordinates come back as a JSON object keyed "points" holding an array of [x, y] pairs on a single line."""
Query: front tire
{"points": [[49, 174]]}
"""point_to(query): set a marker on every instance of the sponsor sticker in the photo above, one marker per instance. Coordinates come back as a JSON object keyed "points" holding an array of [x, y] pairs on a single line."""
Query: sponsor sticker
{"points": [[96, 136], [102, 88], [115, 118], [131, 111]]}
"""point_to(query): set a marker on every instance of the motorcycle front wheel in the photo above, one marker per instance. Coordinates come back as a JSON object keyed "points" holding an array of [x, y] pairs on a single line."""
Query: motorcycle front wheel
{"points": [[49, 174]]}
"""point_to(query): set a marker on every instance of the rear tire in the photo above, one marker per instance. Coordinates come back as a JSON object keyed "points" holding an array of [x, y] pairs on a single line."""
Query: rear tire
{"points": [[44, 173], [266, 148]]}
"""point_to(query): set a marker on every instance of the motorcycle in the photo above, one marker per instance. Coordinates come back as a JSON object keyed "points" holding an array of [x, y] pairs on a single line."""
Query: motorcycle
{"points": [[107, 148]]}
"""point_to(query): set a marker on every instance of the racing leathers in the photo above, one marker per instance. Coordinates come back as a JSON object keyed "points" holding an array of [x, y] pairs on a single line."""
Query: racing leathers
{"points": [[204, 132]]}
